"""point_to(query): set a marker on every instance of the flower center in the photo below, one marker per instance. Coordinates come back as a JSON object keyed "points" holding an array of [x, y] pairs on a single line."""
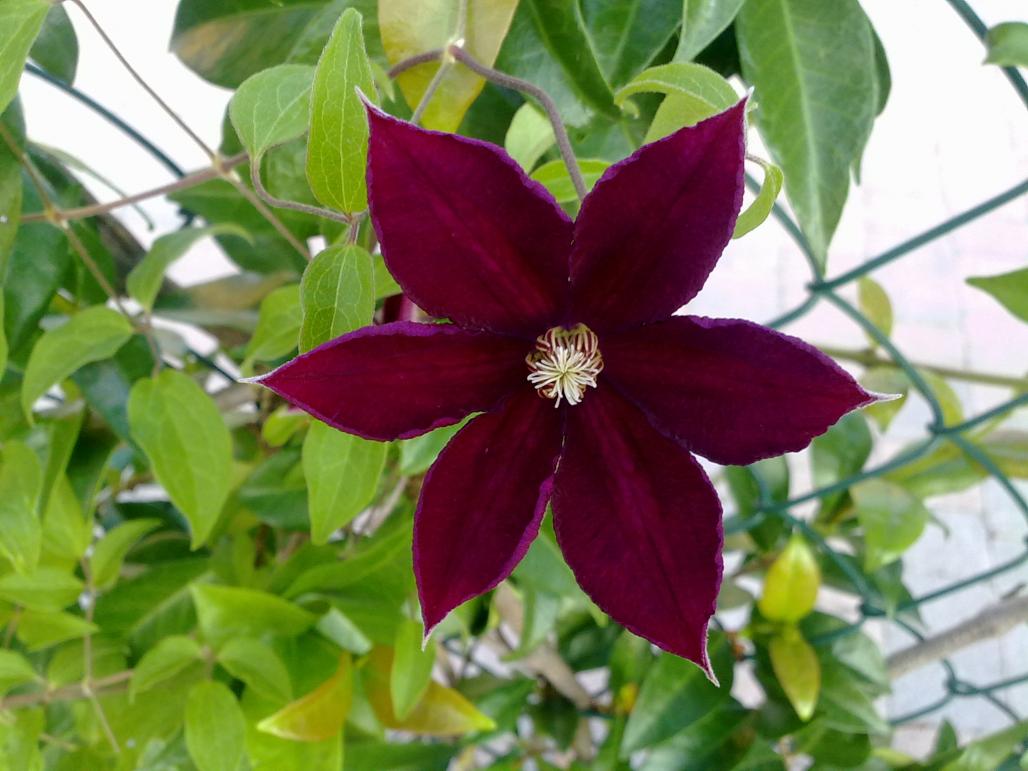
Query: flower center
{"points": [[564, 363]]}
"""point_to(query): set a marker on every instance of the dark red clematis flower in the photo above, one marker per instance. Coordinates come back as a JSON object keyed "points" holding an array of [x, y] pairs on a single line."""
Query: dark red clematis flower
{"points": [[593, 395]]}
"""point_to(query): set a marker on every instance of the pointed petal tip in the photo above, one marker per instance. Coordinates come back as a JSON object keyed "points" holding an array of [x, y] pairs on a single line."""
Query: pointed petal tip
{"points": [[874, 397], [256, 379]]}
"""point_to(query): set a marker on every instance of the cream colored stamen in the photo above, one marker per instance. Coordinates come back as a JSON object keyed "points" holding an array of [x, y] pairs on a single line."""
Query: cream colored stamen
{"points": [[564, 363]]}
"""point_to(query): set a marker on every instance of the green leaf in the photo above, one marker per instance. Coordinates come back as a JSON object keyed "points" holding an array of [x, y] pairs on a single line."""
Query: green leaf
{"points": [[110, 551], [755, 214], [278, 325], [839, 453], [144, 280], [46, 589], [43, 629], [337, 149], [790, 589], [814, 122], [227, 41], [272, 107], [892, 518], [798, 671], [844, 706], [320, 714], [226, 612], [181, 431], [56, 49], [987, 753], [417, 454], [21, 481], [1009, 289], [20, 22], [37, 265], [675, 694], [627, 34], [708, 88], [410, 27], [91, 335], [548, 45], [282, 425], [875, 304], [15, 670], [1007, 44], [258, 666], [693, 93], [949, 402], [553, 175], [702, 21], [106, 384], [412, 668], [215, 727], [528, 136], [338, 628], [266, 251], [161, 663], [10, 206], [337, 294], [66, 534], [342, 472]]}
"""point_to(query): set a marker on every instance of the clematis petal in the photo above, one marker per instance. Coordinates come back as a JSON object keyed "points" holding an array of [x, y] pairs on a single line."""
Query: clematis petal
{"points": [[639, 524], [652, 229], [464, 231], [482, 502], [730, 390], [401, 379]]}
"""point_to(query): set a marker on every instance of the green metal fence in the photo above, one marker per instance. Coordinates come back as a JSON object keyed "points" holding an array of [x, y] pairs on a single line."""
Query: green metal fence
{"points": [[824, 289]]}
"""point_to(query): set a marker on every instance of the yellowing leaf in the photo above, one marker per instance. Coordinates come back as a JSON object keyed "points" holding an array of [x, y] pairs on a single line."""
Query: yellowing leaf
{"points": [[442, 711], [792, 583], [410, 27], [797, 669], [320, 714]]}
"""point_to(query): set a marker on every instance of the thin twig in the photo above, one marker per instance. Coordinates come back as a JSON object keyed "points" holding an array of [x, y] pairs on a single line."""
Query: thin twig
{"points": [[433, 86], [267, 213], [189, 180], [100, 687], [992, 622], [281, 203], [87, 658], [139, 79], [544, 99], [406, 64], [871, 359]]}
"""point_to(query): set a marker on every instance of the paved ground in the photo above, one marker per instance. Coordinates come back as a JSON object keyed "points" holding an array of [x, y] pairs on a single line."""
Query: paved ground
{"points": [[952, 135]]}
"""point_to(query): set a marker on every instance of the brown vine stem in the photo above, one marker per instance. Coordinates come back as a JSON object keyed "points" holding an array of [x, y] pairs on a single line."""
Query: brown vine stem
{"points": [[190, 180], [282, 203], [544, 99], [87, 659], [54, 217], [142, 82], [871, 359], [216, 160], [102, 686], [410, 63]]}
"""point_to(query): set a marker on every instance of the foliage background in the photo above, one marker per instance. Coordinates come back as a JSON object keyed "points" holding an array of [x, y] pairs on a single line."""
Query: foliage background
{"points": [[953, 155]]}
